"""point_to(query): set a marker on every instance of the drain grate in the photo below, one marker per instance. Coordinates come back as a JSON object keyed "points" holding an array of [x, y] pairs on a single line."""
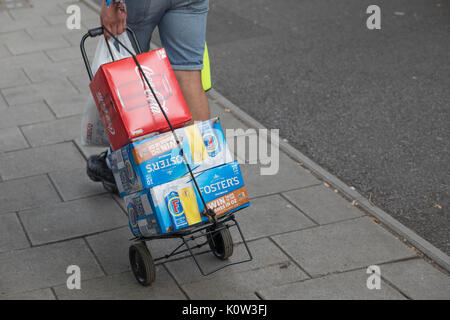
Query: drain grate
{"points": [[14, 4]]}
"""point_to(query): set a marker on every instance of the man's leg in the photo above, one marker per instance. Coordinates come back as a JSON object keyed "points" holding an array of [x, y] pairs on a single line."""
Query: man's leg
{"points": [[191, 85], [183, 34]]}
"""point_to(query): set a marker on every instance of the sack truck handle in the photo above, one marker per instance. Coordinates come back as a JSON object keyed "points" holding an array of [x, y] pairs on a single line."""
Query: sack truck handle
{"points": [[95, 32]]}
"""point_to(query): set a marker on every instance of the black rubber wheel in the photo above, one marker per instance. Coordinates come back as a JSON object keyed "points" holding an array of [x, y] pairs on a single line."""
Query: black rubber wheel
{"points": [[221, 243], [142, 264]]}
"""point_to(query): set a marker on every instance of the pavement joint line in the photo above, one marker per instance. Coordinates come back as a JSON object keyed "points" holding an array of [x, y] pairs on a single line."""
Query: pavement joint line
{"points": [[51, 120], [73, 85], [389, 283], [417, 241], [3, 97], [301, 229], [55, 187], [51, 111], [25, 137], [64, 240], [118, 203], [17, 150], [24, 230], [279, 192], [97, 260], [258, 295], [54, 293], [176, 282], [289, 257], [26, 75], [298, 208], [79, 149], [349, 270]]}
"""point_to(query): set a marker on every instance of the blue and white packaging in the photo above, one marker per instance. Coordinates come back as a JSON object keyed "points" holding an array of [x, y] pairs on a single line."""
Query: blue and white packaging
{"points": [[222, 188], [141, 220], [157, 160]]}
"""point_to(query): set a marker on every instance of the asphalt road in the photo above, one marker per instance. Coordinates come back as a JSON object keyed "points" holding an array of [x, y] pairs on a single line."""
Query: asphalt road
{"points": [[370, 106]]}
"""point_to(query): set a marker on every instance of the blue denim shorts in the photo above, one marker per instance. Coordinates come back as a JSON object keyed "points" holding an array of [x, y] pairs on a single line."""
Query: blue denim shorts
{"points": [[181, 24]]}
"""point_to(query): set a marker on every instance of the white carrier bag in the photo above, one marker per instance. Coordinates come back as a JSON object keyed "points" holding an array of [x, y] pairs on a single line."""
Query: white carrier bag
{"points": [[92, 130]]}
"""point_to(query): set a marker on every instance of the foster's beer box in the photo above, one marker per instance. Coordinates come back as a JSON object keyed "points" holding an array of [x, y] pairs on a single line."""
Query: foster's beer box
{"points": [[126, 104], [177, 204], [156, 160]]}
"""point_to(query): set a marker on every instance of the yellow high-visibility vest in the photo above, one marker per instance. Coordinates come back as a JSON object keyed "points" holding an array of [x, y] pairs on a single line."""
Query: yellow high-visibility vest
{"points": [[206, 71]]}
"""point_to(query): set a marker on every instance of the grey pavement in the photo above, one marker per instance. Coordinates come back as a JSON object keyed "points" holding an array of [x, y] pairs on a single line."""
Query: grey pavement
{"points": [[308, 241]]}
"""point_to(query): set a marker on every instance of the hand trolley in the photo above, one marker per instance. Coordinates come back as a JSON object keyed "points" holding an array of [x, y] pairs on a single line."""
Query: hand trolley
{"points": [[215, 233]]}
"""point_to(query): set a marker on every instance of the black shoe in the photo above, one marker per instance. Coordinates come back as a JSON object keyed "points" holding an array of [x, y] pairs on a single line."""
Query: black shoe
{"points": [[98, 170]]}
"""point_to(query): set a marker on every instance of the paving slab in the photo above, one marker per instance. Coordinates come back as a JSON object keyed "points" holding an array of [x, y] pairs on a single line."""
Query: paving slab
{"points": [[418, 279], [342, 246], [75, 184], [21, 47], [26, 193], [3, 104], [25, 114], [265, 254], [15, 25], [11, 77], [11, 37], [11, 233], [48, 31], [44, 266], [123, 287], [41, 294], [38, 91], [57, 70], [12, 139], [4, 52], [81, 82], [51, 132], [344, 286], [40, 8], [66, 54], [72, 219], [111, 249], [88, 151], [268, 216], [290, 176], [25, 60], [322, 204], [243, 285], [68, 105], [29, 162]]}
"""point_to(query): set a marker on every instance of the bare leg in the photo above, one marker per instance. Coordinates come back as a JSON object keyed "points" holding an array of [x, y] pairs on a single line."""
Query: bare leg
{"points": [[191, 86]]}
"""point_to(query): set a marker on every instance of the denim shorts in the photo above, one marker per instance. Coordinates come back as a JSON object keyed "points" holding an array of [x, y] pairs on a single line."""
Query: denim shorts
{"points": [[181, 24]]}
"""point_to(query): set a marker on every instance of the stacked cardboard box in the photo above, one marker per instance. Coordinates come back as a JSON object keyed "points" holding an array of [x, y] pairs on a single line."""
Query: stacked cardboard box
{"points": [[149, 166]]}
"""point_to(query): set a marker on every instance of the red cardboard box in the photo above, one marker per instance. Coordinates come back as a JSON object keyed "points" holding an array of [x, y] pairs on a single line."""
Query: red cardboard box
{"points": [[127, 106]]}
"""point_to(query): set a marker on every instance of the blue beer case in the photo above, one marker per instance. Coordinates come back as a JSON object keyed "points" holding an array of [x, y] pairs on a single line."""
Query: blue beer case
{"points": [[157, 160], [159, 210]]}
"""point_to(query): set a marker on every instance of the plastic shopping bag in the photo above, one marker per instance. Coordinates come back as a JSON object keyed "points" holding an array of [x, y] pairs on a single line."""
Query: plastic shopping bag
{"points": [[92, 130]]}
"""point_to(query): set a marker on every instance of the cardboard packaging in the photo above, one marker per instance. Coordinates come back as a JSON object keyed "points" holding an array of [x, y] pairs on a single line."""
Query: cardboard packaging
{"points": [[126, 104], [156, 160], [177, 204]]}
